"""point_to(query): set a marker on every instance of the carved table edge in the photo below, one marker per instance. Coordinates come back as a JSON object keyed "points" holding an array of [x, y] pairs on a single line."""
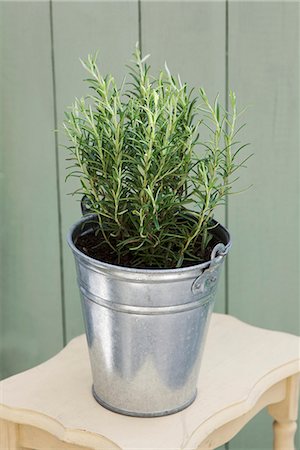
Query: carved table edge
{"points": [[205, 434], [262, 395]]}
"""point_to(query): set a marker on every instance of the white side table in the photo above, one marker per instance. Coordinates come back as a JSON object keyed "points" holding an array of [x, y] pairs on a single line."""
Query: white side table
{"points": [[244, 369]]}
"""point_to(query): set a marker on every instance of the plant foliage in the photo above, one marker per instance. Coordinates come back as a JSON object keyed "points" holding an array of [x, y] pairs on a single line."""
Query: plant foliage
{"points": [[147, 175]]}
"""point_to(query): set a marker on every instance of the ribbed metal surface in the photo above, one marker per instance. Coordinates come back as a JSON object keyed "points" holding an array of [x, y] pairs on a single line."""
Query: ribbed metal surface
{"points": [[146, 329]]}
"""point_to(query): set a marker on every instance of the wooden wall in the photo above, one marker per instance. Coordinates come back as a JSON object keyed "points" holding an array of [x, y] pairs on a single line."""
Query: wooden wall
{"points": [[251, 47]]}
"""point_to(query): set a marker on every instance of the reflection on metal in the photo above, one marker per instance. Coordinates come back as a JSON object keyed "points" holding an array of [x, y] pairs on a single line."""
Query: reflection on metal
{"points": [[146, 328]]}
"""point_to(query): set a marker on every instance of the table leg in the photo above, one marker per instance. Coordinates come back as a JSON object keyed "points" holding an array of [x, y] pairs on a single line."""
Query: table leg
{"points": [[285, 416], [9, 435]]}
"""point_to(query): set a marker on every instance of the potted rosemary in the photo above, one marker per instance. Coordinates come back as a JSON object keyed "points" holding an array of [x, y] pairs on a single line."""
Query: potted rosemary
{"points": [[148, 251]]}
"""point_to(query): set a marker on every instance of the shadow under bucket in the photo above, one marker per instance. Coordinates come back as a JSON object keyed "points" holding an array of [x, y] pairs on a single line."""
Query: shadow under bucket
{"points": [[146, 328]]}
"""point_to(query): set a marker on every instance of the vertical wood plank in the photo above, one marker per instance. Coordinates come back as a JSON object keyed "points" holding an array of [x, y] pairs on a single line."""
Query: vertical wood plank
{"points": [[190, 36], [30, 282], [81, 28], [264, 221]]}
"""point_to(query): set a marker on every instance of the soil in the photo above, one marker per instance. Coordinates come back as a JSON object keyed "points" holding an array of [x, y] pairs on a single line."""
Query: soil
{"points": [[93, 246]]}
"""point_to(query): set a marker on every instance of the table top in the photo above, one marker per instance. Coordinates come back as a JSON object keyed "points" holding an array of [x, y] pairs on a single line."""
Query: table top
{"points": [[240, 363]]}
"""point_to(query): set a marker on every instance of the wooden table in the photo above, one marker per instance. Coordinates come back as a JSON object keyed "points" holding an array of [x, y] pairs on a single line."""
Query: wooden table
{"points": [[244, 369]]}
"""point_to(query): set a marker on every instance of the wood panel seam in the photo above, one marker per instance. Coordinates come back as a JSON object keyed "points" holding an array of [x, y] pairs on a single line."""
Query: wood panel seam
{"points": [[58, 190]]}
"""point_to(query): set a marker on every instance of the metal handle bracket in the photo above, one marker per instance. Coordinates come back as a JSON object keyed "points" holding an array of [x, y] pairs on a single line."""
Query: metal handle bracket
{"points": [[206, 281]]}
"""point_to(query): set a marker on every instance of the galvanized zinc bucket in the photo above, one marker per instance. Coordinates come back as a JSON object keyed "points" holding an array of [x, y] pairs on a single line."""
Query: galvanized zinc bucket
{"points": [[146, 328]]}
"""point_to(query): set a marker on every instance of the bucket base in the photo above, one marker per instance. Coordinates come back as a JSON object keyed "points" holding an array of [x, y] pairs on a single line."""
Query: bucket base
{"points": [[141, 414]]}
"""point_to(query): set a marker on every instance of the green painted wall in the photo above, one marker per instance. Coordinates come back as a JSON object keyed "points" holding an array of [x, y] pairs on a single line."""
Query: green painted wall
{"points": [[251, 47]]}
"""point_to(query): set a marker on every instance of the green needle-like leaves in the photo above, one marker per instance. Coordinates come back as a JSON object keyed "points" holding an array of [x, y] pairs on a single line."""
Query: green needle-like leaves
{"points": [[147, 174]]}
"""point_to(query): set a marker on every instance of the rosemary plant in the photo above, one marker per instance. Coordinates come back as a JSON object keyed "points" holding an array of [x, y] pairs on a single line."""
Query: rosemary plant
{"points": [[146, 175]]}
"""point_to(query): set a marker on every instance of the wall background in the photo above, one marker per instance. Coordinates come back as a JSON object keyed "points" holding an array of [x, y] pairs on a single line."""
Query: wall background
{"points": [[251, 47]]}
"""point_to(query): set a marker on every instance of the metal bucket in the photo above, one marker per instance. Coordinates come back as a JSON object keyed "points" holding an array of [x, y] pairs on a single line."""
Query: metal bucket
{"points": [[146, 328]]}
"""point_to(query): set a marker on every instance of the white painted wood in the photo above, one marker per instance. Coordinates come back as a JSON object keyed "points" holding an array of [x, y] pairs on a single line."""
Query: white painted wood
{"points": [[230, 429], [242, 371], [9, 435], [285, 415], [37, 439]]}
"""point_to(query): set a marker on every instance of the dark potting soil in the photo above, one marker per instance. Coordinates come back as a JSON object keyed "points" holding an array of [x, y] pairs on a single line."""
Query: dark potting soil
{"points": [[95, 247]]}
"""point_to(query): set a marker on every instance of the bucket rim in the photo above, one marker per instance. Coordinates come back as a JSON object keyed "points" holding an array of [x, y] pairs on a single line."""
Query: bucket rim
{"points": [[139, 271]]}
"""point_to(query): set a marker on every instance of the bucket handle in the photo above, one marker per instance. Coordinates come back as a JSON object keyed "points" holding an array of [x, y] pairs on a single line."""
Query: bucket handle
{"points": [[206, 281]]}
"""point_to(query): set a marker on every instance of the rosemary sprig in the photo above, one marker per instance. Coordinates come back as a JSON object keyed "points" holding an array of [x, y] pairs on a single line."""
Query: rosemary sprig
{"points": [[135, 150]]}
